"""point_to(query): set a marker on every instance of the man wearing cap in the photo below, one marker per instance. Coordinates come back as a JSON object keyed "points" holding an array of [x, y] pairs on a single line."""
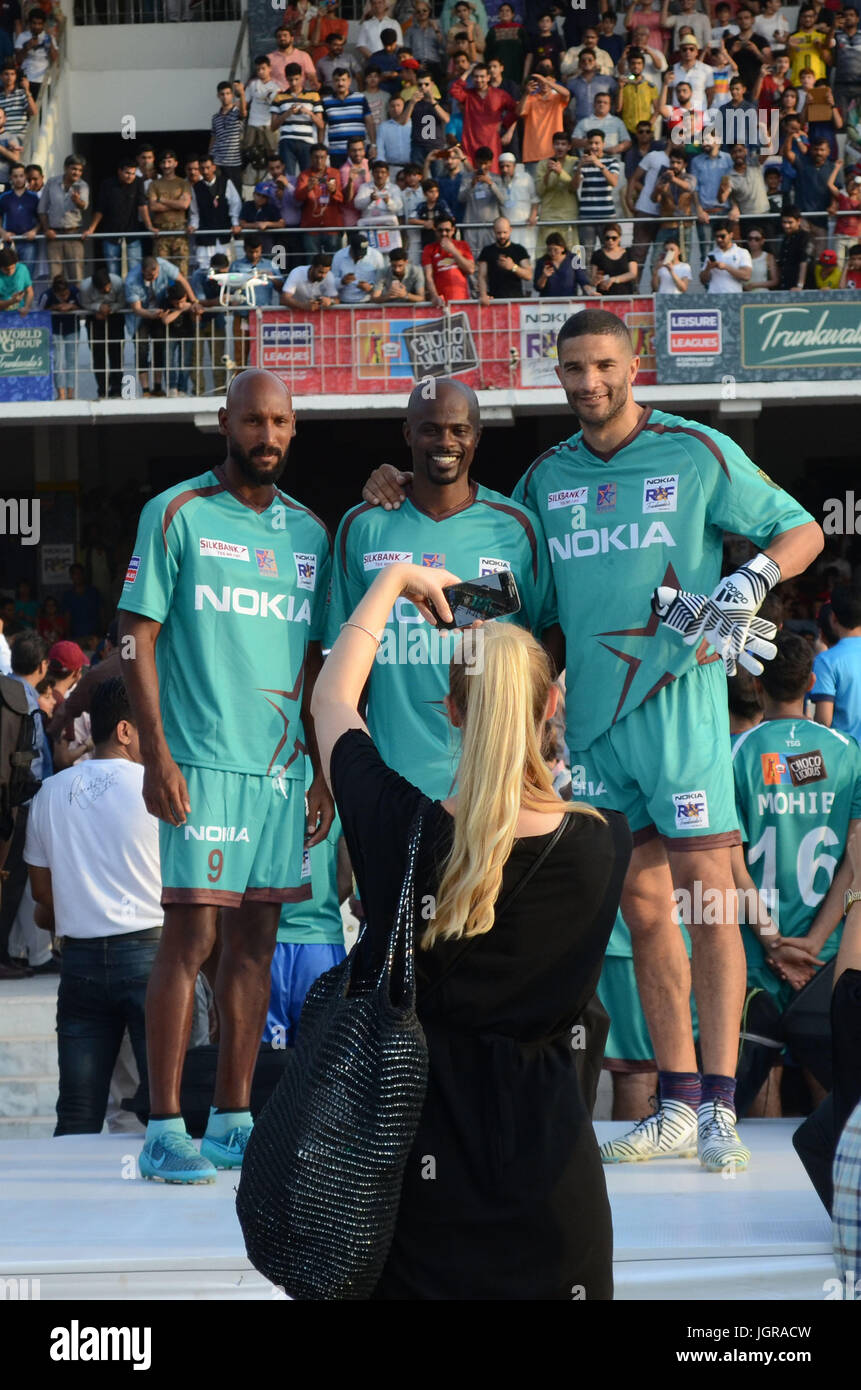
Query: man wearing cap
{"points": [[519, 199], [826, 272], [66, 662], [699, 75], [357, 268], [169, 199], [262, 214]]}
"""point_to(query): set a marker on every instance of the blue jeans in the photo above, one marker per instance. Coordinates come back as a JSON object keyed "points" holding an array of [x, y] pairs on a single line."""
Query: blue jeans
{"points": [[103, 985], [296, 155], [26, 253], [111, 252]]}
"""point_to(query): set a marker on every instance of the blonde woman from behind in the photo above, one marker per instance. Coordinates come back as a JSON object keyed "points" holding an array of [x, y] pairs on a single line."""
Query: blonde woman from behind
{"points": [[504, 1194]]}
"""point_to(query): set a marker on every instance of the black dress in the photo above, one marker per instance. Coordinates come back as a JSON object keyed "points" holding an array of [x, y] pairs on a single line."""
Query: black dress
{"points": [[504, 1194]]}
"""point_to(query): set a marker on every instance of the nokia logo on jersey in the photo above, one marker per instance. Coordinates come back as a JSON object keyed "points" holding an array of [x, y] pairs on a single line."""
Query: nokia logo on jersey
{"points": [[223, 834], [252, 603], [625, 536]]}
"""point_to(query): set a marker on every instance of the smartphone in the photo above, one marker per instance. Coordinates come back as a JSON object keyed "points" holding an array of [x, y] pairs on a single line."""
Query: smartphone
{"points": [[481, 600], [712, 256]]}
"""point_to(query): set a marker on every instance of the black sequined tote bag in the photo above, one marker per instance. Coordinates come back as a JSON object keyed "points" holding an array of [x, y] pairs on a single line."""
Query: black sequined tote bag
{"points": [[322, 1173]]}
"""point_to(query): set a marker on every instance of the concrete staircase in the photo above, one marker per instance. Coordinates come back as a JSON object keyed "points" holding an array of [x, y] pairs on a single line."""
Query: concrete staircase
{"points": [[28, 1057]]}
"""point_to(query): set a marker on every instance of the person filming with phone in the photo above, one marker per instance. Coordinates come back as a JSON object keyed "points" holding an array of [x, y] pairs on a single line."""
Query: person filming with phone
{"points": [[728, 266], [504, 967]]}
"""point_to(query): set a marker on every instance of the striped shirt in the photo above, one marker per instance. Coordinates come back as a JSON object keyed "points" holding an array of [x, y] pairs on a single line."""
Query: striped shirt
{"points": [[345, 119], [300, 126], [227, 137], [596, 195], [17, 110]]}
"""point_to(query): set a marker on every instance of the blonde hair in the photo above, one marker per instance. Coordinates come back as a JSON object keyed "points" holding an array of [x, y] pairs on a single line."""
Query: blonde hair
{"points": [[502, 771]]}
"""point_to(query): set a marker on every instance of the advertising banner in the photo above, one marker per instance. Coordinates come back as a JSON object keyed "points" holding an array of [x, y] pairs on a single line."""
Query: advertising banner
{"points": [[368, 348], [815, 336], [25, 357]]}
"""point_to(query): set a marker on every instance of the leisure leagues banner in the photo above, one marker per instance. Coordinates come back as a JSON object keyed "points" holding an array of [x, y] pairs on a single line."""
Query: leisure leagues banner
{"points": [[374, 349], [25, 357], [762, 336]]}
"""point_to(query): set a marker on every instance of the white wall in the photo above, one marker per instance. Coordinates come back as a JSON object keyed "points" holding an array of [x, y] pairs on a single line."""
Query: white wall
{"points": [[162, 75]]}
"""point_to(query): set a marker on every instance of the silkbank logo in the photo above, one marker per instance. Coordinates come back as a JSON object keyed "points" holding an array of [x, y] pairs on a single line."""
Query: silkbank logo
{"points": [[77, 1343]]}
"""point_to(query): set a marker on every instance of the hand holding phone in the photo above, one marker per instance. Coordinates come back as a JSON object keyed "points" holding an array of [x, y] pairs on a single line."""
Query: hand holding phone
{"points": [[480, 600]]}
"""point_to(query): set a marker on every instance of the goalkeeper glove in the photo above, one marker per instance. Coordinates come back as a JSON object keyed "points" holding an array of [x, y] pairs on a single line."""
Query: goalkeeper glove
{"points": [[727, 618]]}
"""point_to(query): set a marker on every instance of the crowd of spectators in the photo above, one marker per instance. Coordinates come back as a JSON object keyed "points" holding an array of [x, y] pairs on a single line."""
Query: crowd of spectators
{"points": [[483, 152]]}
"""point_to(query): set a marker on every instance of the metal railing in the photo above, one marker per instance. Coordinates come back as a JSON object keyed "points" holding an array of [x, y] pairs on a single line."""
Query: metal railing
{"points": [[90, 12], [298, 244]]}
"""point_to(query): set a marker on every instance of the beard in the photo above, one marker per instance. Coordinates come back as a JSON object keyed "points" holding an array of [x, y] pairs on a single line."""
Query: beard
{"points": [[603, 411], [253, 465]]}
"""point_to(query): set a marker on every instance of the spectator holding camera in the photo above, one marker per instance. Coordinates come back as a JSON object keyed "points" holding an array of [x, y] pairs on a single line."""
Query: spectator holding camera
{"points": [[16, 286], [671, 275], [727, 266], [36, 50], [62, 204], [556, 274], [447, 263], [614, 270], [486, 109]]}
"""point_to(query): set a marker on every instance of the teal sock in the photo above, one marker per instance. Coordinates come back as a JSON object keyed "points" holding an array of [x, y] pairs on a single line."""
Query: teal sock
{"points": [[156, 1127], [221, 1122]]}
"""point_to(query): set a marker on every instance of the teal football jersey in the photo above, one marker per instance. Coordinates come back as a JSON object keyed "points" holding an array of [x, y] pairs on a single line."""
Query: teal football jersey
{"points": [[798, 785], [406, 715], [239, 594], [651, 512], [317, 921]]}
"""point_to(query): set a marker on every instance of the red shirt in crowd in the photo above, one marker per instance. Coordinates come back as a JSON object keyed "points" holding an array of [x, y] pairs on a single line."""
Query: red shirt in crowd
{"points": [[449, 279], [482, 117], [851, 225], [321, 204]]}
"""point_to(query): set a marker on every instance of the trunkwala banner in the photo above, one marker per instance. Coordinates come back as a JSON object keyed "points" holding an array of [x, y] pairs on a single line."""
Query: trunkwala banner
{"points": [[814, 336]]}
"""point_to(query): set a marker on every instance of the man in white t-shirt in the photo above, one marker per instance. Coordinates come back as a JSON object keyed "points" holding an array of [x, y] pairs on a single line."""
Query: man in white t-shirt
{"points": [[728, 266], [368, 37], [93, 856], [699, 75], [640, 201], [688, 17], [311, 286]]}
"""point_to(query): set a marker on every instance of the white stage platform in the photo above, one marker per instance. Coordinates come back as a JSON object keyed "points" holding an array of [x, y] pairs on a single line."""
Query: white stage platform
{"points": [[72, 1217]]}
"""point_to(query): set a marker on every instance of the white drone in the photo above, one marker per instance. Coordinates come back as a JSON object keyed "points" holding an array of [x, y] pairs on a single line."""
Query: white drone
{"points": [[239, 286]]}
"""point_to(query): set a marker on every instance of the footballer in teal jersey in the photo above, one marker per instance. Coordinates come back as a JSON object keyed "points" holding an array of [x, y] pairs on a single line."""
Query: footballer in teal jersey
{"points": [[616, 530], [406, 715], [222, 613], [633, 508], [239, 593], [798, 792]]}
